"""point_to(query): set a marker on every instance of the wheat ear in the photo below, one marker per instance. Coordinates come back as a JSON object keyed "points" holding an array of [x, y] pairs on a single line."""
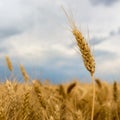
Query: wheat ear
{"points": [[70, 87], [9, 63], [86, 53], [115, 91], [99, 83], [24, 73]]}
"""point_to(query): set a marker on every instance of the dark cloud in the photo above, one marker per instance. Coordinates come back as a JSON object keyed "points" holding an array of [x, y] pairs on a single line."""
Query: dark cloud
{"points": [[103, 2], [8, 32]]}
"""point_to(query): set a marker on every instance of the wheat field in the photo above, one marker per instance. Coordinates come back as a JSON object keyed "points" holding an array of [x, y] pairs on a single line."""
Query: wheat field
{"points": [[70, 101], [37, 100]]}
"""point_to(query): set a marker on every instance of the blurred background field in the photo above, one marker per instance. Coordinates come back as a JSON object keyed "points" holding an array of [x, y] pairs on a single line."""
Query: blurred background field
{"points": [[38, 100]]}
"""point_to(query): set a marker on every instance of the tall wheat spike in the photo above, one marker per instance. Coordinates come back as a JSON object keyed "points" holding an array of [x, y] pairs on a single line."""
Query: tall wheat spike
{"points": [[24, 73], [9, 63], [12, 104], [70, 87], [86, 53], [115, 91]]}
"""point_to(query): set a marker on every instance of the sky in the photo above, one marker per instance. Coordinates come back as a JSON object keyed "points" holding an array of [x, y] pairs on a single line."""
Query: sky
{"points": [[36, 33]]}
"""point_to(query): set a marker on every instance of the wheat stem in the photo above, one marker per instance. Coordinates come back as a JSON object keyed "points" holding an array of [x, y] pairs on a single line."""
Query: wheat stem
{"points": [[93, 100]]}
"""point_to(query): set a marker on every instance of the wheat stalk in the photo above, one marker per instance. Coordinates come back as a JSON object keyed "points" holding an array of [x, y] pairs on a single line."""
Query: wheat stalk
{"points": [[2, 110], [9, 63], [115, 91], [62, 91], [12, 103], [25, 103], [86, 53], [99, 84], [70, 87], [66, 111], [24, 73], [39, 94]]}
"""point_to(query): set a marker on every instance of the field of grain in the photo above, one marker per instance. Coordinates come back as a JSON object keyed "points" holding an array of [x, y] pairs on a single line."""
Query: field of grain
{"points": [[71, 101], [36, 100]]}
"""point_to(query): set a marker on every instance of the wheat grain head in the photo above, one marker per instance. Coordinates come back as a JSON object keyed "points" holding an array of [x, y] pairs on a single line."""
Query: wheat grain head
{"points": [[9, 63], [24, 73], [84, 48]]}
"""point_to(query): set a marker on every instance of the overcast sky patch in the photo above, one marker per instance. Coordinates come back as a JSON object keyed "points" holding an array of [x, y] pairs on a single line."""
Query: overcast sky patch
{"points": [[104, 2]]}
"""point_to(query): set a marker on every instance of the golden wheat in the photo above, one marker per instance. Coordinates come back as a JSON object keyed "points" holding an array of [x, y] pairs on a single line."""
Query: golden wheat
{"points": [[39, 101], [24, 73], [9, 63], [115, 92], [70, 87], [86, 53]]}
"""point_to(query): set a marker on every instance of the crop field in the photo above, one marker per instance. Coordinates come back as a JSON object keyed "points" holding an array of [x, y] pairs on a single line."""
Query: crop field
{"points": [[36, 100], [71, 101]]}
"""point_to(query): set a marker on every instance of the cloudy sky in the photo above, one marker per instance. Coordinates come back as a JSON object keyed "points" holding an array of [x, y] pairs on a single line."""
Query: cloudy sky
{"points": [[36, 33]]}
